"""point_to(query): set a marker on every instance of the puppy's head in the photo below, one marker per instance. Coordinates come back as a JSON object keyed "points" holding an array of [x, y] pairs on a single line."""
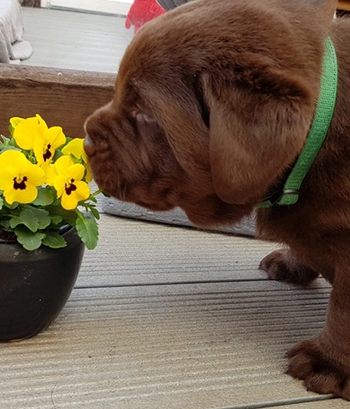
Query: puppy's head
{"points": [[213, 103]]}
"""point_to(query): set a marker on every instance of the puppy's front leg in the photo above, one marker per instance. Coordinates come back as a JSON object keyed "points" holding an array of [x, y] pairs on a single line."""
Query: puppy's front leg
{"points": [[324, 362], [284, 265]]}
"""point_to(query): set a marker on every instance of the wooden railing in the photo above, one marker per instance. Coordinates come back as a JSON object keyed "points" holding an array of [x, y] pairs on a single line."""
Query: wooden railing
{"points": [[62, 97], [344, 5]]}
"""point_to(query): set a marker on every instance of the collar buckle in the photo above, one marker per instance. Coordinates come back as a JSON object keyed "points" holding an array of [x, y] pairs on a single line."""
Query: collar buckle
{"points": [[286, 197]]}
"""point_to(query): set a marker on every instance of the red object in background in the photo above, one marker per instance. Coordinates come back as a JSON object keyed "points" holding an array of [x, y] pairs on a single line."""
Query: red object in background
{"points": [[142, 11]]}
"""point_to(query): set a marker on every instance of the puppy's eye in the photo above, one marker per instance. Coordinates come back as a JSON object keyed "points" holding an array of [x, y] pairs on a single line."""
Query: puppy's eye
{"points": [[143, 118]]}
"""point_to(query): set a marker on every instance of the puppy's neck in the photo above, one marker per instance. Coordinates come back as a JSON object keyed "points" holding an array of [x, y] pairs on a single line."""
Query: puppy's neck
{"points": [[293, 178]]}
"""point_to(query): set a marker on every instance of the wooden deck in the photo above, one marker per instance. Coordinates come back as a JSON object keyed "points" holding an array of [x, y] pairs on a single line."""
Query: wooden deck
{"points": [[168, 317], [162, 317]]}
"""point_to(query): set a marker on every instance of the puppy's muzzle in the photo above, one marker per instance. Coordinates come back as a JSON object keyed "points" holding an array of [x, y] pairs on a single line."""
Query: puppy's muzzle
{"points": [[89, 146]]}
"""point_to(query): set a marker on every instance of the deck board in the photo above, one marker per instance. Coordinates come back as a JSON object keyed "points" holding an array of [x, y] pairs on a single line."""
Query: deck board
{"points": [[119, 344], [332, 404], [192, 346], [140, 253]]}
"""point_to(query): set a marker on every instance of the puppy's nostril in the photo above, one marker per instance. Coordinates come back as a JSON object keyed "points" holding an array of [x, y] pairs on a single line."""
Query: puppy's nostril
{"points": [[89, 146]]}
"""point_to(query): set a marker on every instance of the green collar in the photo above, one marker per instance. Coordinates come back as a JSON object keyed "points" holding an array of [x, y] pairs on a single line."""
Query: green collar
{"points": [[323, 116]]}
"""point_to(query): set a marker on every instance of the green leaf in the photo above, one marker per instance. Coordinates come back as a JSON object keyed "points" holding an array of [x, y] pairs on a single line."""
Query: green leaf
{"points": [[95, 213], [93, 199], [68, 216], [4, 141], [88, 231], [29, 240], [10, 148], [57, 202], [5, 224], [1, 202], [57, 155], [41, 214], [7, 143], [56, 219], [45, 197], [54, 240], [11, 129], [26, 218], [11, 207], [92, 208], [13, 143], [33, 218]]}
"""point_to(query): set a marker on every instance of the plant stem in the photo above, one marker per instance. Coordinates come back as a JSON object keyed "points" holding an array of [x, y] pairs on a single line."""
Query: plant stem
{"points": [[96, 193], [78, 213]]}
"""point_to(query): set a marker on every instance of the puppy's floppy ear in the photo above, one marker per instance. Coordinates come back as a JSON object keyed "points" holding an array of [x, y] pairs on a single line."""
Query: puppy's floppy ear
{"points": [[259, 120]]}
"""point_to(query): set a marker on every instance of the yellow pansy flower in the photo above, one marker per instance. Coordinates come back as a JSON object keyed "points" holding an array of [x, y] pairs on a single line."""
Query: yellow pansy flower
{"points": [[27, 130], [76, 148], [19, 178], [15, 121], [45, 148], [34, 134], [66, 177]]}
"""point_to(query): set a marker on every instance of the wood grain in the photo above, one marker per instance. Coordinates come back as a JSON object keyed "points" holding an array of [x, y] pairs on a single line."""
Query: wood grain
{"points": [[344, 5], [62, 97], [214, 345], [141, 253]]}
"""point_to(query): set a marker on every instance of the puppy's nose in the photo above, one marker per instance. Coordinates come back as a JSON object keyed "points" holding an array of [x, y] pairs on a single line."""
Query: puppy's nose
{"points": [[89, 146]]}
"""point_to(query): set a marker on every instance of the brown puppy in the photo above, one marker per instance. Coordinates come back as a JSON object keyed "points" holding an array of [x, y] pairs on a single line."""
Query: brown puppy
{"points": [[213, 104]]}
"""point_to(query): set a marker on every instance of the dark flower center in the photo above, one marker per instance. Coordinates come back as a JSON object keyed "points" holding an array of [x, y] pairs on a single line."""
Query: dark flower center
{"points": [[47, 155], [21, 185], [70, 187]]}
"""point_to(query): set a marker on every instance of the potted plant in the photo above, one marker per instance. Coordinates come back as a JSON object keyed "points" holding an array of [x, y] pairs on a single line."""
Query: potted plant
{"points": [[47, 216]]}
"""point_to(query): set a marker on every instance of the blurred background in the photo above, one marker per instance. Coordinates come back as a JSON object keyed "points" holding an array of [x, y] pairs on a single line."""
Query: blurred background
{"points": [[89, 35]]}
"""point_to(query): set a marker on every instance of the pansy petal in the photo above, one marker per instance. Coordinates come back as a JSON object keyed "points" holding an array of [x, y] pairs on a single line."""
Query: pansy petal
{"points": [[55, 137], [62, 164], [35, 175], [38, 147], [6, 177], [85, 157], [83, 191], [42, 124], [60, 184], [69, 202], [16, 121], [13, 158], [76, 172], [88, 176], [51, 174], [27, 195], [26, 132], [9, 195], [43, 152], [75, 147]]}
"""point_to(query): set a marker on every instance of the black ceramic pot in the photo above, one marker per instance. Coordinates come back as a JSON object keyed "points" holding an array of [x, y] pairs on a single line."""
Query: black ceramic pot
{"points": [[35, 285]]}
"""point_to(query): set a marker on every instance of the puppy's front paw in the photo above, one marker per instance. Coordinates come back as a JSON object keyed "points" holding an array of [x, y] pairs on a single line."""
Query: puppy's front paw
{"points": [[307, 362], [281, 265]]}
